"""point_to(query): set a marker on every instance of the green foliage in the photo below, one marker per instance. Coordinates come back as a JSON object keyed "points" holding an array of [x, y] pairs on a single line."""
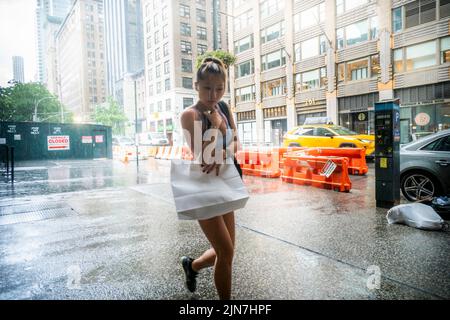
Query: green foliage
{"points": [[18, 103], [111, 114], [227, 58]]}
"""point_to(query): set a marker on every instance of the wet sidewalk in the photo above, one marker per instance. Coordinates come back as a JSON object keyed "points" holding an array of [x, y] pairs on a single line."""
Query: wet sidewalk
{"points": [[105, 230]]}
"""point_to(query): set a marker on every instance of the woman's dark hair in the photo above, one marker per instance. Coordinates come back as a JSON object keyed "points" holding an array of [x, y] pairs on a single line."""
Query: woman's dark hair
{"points": [[213, 66]]}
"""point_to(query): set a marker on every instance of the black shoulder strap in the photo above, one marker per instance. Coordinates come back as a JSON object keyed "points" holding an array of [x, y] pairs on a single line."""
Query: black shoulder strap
{"points": [[224, 108]]}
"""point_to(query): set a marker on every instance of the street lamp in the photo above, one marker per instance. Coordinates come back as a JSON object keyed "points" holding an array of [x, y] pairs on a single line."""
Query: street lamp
{"points": [[36, 104]]}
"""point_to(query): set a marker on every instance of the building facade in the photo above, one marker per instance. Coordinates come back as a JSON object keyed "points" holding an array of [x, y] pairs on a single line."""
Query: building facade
{"points": [[81, 59], [49, 16], [124, 43], [336, 58], [175, 33], [18, 69]]}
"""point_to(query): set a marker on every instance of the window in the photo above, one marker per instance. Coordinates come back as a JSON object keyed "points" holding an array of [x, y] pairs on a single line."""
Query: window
{"points": [[356, 33], [375, 65], [159, 106], [312, 16], [397, 22], [445, 50], [274, 88], [164, 14], [398, 60], [155, 20], [186, 47], [340, 38], [201, 33], [242, 21], [269, 7], [273, 32], [201, 15], [322, 132], [357, 70], [201, 48], [187, 102], [273, 60], [243, 44], [186, 65], [166, 67], [156, 37], [158, 87], [150, 74], [313, 79], [245, 68], [419, 12], [149, 58], [187, 82], [201, 2], [150, 90], [421, 55], [310, 48], [167, 88], [165, 31], [185, 29], [157, 54], [149, 42], [373, 22], [444, 8], [297, 51], [158, 71], [245, 94], [347, 5], [184, 11], [166, 49]]}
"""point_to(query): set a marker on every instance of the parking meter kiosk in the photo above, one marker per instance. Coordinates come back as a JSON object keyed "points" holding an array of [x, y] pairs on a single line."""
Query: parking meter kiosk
{"points": [[387, 153]]}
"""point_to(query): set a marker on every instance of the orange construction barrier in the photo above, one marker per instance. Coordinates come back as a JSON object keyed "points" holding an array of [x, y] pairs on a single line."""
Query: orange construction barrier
{"points": [[356, 156], [186, 153], [309, 170], [259, 163], [286, 150]]}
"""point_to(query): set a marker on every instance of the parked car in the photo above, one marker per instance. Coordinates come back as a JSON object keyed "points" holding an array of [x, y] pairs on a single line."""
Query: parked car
{"points": [[328, 135], [425, 167], [153, 139], [122, 141]]}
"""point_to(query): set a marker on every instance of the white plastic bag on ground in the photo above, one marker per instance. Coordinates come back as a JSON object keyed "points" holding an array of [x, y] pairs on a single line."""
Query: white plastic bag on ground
{"points": [[416, 215]]}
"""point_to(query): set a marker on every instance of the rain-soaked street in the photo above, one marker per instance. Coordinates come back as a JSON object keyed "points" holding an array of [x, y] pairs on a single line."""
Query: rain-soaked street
{"points": [[108, 230]]}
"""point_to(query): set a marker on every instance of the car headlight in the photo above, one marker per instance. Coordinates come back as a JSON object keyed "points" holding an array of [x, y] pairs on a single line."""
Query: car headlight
{"points": [[365, 141]]}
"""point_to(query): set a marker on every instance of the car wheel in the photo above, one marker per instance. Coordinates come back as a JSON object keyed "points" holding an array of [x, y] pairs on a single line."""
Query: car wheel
{"points": [[294, 145], [417, 186]]}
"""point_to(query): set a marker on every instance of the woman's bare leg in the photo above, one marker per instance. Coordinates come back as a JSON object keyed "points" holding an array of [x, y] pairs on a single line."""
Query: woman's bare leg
{"points": [[208, 258], [218, 235]]}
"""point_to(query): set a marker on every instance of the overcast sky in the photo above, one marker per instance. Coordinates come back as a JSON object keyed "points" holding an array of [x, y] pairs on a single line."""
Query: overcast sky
{"points": [[17, 37]]}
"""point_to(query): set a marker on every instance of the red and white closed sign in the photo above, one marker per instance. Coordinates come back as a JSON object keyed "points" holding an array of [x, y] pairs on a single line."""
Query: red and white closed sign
{"points": [[58, 142]]}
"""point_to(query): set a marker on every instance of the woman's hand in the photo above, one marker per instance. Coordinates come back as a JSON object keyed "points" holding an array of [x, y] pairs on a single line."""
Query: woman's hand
{"points": [[214, 117], [210, 167]]}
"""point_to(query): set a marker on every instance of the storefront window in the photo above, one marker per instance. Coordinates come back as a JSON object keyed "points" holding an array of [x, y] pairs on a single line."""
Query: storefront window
{"points": [[421, 55], [398, 60], [445, 50]]}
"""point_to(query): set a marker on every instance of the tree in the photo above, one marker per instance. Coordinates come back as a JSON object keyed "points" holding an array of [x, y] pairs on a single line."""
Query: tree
{"points": [[111, 114], [227, 58], [18, 103]]}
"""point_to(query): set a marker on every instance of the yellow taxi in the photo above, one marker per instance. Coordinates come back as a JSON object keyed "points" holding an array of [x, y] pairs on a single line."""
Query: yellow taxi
{"points": [[328, 135]]}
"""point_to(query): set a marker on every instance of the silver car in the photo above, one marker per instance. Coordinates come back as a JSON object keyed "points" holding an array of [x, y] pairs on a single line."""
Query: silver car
{"points": [[425, 167]]}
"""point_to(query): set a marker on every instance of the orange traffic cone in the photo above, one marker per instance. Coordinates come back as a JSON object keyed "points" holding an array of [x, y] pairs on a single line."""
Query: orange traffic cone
{"points": [[125, 160]]}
